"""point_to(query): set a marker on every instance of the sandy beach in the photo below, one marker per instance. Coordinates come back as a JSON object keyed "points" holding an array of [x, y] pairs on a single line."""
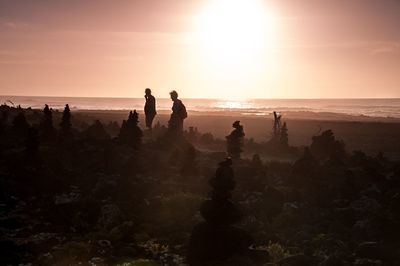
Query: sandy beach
{"points": [[369, 134]]}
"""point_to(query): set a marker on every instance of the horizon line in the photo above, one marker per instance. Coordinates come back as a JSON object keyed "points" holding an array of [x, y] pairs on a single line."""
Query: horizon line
{"points": [[220, 99]]}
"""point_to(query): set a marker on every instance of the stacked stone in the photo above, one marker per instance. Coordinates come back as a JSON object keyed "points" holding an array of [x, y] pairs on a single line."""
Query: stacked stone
{"points": [[216, 238]]}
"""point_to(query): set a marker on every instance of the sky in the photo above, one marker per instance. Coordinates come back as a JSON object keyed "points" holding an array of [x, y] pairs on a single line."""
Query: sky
{"points": [[202, 48]]}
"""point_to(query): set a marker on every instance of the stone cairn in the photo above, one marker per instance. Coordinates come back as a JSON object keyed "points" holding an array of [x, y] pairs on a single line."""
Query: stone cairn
{"points": [[216, 239]]}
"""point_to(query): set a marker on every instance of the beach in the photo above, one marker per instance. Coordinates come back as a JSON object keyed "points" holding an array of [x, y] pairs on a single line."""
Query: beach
{"points": [[370, 134]]}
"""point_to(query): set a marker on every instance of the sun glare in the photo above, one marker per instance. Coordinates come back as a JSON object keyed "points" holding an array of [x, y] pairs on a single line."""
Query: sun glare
{"points": [[235, 32]]}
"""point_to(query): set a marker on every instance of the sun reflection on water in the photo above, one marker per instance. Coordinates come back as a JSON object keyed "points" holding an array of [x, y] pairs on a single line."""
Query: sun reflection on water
{"points": [[231, 104]]}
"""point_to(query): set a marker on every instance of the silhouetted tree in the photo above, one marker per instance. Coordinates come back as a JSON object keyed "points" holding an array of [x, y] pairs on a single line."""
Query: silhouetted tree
{"points": [[130, 132], [96, 131], [217, 238], [279, 141], [32, 141], [3, 121], [276, 129], [326, 145], [192, 134], [46, 126], [189, 162], [235, 140], [65, 125], [304, 169], [113, 128], [256, 161], [206, 138], [19, 124]]}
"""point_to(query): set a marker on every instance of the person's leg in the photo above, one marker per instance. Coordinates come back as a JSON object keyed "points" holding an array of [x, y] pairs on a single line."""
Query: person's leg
{"points": [[148, 123], [180, 125], [151, 118]]}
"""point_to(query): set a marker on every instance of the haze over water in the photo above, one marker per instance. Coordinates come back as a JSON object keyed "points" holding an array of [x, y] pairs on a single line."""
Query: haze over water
{"points": [[366, 107]]}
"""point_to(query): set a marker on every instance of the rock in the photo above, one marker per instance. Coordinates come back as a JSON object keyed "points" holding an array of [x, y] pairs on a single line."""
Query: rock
{"points": [[110, 216], [274, 200], [217, 243], [395, 204], [367, 262], [295, 260], [258, 257], [216, 238], [332, 261], [123, 232], [72, 197], [104, 188], [369, 250], [42, 242], [221, 212], [366, 206], [362, 230], [372, 192], [127, 251], [10, 252]]}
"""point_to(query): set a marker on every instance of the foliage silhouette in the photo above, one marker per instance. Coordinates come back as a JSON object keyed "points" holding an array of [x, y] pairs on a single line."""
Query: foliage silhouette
{"points": [[46, 125], [96, 131], [130, 132], [65, 133], [32, 141], [19, 124], [326, 145], [94, 203]]}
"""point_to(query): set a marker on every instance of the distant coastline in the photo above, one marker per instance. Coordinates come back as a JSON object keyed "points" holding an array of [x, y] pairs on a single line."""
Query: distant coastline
{"points": [[363, 109]]}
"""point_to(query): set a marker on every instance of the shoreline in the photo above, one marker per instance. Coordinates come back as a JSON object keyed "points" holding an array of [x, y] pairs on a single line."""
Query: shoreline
{"points": [[292, 115], [367, 134]]}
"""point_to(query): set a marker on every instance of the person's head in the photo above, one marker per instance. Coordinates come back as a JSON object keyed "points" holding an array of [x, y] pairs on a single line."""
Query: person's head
{"points": [[236, 124], [147, 91], [174, 95]]}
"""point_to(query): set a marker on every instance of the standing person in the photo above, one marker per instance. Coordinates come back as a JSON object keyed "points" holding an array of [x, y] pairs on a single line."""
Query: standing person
{"points": [[149, 108], [179, 113], [235, 140]]}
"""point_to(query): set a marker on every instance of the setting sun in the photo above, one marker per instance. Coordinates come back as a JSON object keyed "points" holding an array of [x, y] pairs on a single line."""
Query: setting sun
{"points": [[232, 33]]}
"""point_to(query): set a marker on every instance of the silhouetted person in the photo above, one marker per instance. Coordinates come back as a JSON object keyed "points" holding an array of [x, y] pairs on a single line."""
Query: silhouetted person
{"points": [[179, 113], [149, 108], [235, 140]]}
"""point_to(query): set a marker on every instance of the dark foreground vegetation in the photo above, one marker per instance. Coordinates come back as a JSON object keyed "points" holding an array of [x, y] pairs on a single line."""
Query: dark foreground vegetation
{"points": [[110, 194]]}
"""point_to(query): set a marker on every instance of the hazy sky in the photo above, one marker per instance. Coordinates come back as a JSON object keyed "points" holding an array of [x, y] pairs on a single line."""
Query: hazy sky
{"points": [[203, 49]]}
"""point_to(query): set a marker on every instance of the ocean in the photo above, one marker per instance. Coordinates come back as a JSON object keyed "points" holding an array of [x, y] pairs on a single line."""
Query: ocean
{"points": [[366, 107]]}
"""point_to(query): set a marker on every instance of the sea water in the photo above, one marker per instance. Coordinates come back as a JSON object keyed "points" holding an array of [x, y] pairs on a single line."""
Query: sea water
{"points": [[366, 107]]}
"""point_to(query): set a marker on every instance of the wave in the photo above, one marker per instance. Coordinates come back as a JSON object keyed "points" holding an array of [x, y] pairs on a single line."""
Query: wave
{"points": [[358, 107]]}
